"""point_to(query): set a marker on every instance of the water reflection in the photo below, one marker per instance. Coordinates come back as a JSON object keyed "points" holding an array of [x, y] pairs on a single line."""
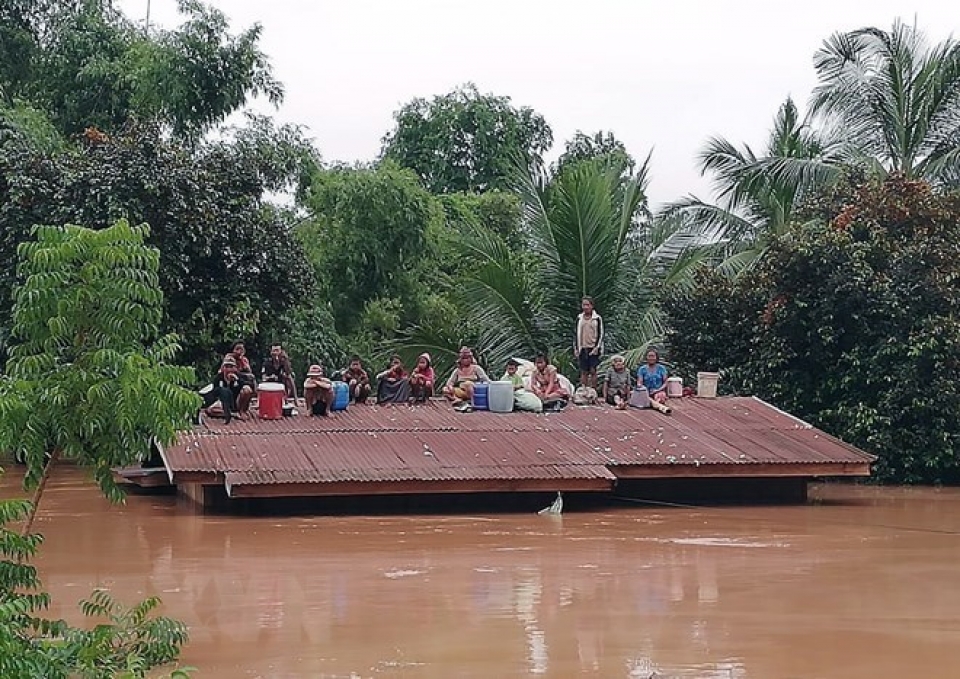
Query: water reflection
{"points": [[727, 593]]}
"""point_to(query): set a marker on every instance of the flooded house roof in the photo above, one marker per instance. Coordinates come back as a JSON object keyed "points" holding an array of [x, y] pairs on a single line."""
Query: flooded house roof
{"points": [[432, 448]]}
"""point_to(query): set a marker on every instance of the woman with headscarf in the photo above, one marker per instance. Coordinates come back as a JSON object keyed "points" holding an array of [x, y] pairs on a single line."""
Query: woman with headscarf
{"points": [[421, 379], [459, 387]]}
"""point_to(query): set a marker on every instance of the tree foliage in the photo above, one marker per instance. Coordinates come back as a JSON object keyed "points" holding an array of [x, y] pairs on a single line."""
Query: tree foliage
{"points": [[89, 380], [87, 65], [465, 141], [367, 237], [601, 146], [227, 257], [851, 322], [583, 235]]}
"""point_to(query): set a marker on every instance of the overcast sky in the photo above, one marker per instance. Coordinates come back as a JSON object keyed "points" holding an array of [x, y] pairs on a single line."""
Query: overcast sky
{"points": [[663, 75]]}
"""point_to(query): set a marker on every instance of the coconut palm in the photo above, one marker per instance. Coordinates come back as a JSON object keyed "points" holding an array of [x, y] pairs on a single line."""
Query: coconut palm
{"points": [[587, 236], [895, 100], [753, 204]]}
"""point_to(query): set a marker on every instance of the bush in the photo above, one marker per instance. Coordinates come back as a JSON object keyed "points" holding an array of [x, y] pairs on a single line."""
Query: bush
{"points": [[852, 321]]}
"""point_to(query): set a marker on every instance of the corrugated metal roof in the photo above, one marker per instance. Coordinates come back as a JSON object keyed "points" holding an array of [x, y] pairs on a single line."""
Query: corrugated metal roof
{"points": [[433, 442]]}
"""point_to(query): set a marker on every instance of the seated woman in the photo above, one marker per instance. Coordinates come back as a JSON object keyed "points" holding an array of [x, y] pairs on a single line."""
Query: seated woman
{"points": [[317, 392], [421, 379], [616, 384], [545, 385], [459, 387], [277, 369], [224, 387], [392, 384], [653, 375]]}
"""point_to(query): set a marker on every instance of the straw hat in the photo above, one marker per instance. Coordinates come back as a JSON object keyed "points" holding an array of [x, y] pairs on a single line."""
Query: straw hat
{"points": [[229, 360], [315, 371]]}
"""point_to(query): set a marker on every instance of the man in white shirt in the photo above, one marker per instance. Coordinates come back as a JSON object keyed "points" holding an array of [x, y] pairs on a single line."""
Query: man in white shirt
{"points": [[588, 344]]}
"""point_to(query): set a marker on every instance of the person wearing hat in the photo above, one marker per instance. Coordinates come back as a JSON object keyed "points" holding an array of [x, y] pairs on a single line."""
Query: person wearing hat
{"points": [[317, 391], [421, 379], [224, 387], [459, 387]]}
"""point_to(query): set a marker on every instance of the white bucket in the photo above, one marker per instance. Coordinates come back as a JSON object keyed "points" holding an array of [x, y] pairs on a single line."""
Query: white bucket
{"points": [[707, 385], [500, 396], [674, 387]]}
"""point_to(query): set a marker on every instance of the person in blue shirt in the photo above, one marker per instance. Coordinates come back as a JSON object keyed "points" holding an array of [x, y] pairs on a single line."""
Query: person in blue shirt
{"points": [[653, 375]]}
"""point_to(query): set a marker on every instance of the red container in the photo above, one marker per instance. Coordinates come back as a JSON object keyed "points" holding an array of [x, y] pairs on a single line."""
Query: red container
{"points": [[270, 400]]}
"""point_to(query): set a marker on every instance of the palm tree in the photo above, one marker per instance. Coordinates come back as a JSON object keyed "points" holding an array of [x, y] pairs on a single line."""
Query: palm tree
{"points": [[893, 98], [587, 235], [754, 204]]}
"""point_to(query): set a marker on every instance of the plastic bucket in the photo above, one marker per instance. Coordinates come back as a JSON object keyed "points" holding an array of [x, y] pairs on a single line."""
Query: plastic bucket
{"points": [[500, 396], [640, 398], [480, 392], [341, 396], [707, 384], [270, 400], [674, 387]]}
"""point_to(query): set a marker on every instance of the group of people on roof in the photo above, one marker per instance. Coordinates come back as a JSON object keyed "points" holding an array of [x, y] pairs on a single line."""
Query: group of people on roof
{"points": [[537, 386]]}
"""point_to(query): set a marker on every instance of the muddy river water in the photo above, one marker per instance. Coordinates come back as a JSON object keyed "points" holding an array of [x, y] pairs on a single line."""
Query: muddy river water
{"points": [[860, 583]]}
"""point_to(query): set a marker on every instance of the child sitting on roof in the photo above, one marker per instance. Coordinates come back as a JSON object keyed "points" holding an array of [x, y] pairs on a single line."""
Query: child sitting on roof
{"points": [[422, 379]]}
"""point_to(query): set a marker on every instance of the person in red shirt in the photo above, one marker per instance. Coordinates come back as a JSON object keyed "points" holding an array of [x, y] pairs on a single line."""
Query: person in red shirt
{"points": [[422, 379]]}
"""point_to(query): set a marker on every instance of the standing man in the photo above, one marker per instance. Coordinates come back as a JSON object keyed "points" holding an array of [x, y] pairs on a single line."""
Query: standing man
{"points": [[588, 344]]}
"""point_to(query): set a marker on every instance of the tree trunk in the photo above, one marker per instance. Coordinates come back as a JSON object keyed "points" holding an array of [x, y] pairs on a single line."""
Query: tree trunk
{"points": [[38, 493]]}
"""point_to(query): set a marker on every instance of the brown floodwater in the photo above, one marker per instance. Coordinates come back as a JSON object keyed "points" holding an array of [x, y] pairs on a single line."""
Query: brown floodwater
{"points": [[860, 583]]}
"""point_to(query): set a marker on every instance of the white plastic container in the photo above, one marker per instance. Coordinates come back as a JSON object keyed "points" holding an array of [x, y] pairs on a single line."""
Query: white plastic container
{"points": [[500, 396], [640, 398], [707, 385], [674, 387]]}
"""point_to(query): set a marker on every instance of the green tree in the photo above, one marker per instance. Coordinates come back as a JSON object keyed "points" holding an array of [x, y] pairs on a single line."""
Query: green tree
{"points": [[228, 258], [465, 141], [895, 100], [583, 238], [497, 211], [87, 65], [850, 321], [603, 146], [89, 380], [367, 237], [754, 206]]}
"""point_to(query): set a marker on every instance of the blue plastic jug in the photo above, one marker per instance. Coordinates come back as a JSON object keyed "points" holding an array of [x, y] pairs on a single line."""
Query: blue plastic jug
{"points": [[341, 396], [480, 392]]}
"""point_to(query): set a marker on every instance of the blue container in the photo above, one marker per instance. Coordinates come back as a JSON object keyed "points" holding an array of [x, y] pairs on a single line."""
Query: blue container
{"points": [[480, 392], [341, 396]]}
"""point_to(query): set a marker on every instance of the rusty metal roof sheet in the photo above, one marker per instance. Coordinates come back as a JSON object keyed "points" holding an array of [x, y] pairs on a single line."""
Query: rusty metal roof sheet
{"points": [[432, 442]]}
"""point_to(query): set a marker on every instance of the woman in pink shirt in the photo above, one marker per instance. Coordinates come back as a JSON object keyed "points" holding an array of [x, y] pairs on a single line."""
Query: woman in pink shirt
{"points": [[421, 379]]}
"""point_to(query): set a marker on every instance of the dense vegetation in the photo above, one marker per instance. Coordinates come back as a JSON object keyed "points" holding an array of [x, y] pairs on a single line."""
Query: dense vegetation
{"points": [[461, 233], [822, 276]]}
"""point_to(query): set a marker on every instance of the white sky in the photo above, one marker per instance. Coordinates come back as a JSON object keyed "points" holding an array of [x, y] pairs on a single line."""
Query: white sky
{"points": [[665, 75]]}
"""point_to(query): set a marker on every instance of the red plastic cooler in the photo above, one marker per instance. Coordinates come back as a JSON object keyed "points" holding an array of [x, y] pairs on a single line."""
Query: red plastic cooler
{"points": [[270, 400]]}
